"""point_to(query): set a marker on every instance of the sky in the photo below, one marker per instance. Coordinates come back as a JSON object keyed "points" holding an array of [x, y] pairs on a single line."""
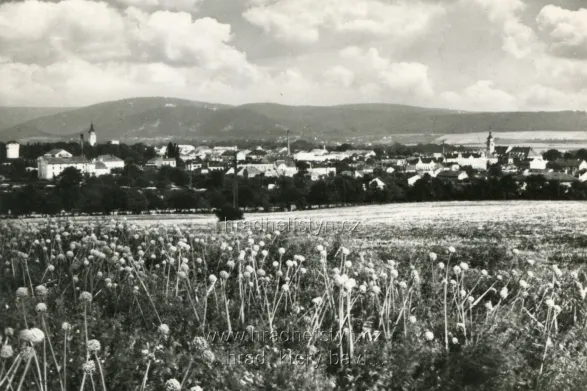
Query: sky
{"points": [[476, 55]]}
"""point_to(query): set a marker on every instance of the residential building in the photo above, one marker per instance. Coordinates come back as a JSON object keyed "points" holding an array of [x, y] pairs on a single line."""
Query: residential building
{"points": [[395, 161], [452, 175], [242, 155], [160, 161], [221, 149], [475, 160], [413, 179], [286, 167], [421, 164], [257, 154], [111, 162], [362, 153], [309, 157], [62, 153], [12, 150], [321, 172], [193, 165], [216, 167], [569, 166], [98, 168], [49, 167], [377, 183]]}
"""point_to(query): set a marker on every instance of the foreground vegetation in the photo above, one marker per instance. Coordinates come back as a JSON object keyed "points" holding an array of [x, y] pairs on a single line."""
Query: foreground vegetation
{"points": [[109, 305]]}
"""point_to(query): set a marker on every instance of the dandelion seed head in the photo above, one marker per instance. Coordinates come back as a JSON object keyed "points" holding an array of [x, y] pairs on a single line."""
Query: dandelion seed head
{"points": [[208, 356], [163, 329], [503, 293], [41, 308], [94, 345], [85, 297], [41, 290], [6, 352], [523, 284], [32, 335], [429, 335]]}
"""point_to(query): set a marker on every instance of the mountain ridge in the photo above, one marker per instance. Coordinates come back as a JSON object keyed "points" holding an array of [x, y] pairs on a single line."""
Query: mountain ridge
{"points": [[164, 118]]}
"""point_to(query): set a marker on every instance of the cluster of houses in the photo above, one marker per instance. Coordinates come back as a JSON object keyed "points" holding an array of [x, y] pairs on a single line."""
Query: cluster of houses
{"points": [[320, 163]]}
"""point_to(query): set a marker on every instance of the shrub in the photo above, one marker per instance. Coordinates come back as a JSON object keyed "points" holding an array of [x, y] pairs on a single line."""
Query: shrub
{"points": [[229, 213]]}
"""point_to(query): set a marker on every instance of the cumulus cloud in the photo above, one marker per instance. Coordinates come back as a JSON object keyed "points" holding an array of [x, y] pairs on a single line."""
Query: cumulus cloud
{"points": [[484, 95], [306, 21], [518, 39], [566, 30], [403, 79], [96, 32], [41, 32], [339, 76], [169, 5], [78, 52]]}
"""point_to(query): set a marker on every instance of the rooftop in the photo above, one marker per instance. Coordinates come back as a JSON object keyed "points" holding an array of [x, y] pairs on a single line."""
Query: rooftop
{"points": [[70, 160]]}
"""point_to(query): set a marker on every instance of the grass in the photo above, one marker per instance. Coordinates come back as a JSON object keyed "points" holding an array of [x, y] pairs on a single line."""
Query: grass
{"points": [[411, 305]]}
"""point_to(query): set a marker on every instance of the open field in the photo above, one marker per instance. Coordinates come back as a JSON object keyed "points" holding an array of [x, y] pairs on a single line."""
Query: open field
{"points": [[423, 213], [539, 140], [444, 296]]}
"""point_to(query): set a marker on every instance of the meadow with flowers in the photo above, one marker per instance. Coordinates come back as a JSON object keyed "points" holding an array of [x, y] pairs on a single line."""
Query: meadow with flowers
{"points": [[484, 304]]}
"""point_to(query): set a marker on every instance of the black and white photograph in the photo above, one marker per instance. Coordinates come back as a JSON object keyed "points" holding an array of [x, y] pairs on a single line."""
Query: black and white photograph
{"points": [[293, 195]]}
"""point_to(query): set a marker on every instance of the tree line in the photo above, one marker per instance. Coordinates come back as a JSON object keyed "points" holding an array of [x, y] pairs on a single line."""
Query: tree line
{"points": [[137, 190]]}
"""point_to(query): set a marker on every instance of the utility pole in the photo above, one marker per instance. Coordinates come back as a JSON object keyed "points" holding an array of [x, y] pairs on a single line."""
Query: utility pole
{"points": [[81, 142], [235, 182]]}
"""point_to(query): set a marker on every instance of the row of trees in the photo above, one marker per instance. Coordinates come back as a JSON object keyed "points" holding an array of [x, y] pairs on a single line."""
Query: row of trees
{"points": [[106, 194]]}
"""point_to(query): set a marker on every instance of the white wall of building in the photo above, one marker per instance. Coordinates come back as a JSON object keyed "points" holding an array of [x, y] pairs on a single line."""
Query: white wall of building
{"points": [[13, 150]]}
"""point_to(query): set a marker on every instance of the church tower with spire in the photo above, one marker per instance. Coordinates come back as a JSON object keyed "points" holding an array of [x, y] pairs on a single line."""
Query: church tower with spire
{"points": [[490, 145], [92, 133]]}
